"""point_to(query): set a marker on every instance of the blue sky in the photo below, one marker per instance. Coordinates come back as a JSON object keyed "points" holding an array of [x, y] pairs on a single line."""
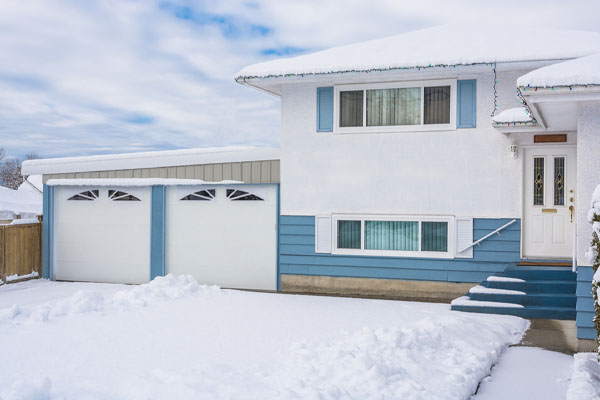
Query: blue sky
{"points": [[106, 76]]}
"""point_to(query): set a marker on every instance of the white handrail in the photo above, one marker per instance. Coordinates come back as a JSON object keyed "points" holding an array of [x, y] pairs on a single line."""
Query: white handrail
{"points": [[488, 235]]}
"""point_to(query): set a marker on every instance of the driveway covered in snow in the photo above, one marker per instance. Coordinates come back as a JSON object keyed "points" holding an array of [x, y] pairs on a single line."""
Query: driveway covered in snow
{"points": [[175, 339]]}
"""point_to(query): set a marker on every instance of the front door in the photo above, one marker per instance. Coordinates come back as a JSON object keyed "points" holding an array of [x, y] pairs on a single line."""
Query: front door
{"points": [[549, 201]]}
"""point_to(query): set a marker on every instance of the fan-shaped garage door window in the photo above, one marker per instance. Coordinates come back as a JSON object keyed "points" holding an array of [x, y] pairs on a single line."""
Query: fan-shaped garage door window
{"points": [[88, 195], [117, 195], [238, 195], [202, 195]]}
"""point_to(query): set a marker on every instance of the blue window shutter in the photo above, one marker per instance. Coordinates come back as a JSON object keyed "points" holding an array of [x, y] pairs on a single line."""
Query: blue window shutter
{"points": [[325, 109], [467, 99]]}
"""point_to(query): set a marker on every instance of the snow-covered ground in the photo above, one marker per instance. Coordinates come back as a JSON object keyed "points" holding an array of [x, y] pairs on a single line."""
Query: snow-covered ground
{"points": [[585, 383], [528, 373], [174, 339]]}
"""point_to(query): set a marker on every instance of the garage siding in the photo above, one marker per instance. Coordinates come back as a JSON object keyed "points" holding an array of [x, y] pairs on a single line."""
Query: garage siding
{"points": [[265, 171]]}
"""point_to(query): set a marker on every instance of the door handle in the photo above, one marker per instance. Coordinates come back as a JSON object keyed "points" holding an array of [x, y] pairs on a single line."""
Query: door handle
{"points": [[571, 208]]}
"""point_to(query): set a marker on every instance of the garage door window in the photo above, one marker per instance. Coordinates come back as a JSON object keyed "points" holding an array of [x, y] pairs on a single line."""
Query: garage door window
{"points": [[237, 195], [117, 195], [202, 195], [88, 195]]}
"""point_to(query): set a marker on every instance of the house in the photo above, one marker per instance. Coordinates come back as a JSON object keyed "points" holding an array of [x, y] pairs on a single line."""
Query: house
{"points": [[25, 203], [414, 166], [401, 153]]}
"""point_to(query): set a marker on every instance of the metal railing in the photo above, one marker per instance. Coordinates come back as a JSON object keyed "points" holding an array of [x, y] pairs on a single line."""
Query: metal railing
{"points": [[497, 231]]}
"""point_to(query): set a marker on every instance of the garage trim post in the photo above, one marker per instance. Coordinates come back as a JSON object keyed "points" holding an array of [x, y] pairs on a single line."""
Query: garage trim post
{"points": [[277, 235], [48, 233], [157, 232]]}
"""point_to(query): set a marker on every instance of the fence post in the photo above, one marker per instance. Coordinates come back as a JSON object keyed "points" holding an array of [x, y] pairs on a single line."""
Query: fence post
{"points": [[3, 254]]}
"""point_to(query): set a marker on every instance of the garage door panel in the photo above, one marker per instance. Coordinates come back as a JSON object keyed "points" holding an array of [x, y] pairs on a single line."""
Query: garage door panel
{"points": [[102, 240], [223, 241]]}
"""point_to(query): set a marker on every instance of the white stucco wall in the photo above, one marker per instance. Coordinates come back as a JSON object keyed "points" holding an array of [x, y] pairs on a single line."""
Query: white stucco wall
{"points": [[588, 172], [465, 172]]}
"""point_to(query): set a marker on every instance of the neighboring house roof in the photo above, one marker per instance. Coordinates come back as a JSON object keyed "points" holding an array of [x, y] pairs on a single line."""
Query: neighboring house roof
{"points": [[448, 45], [584, 71], [32, 183], [518, 115], [151, 159], [26, 203]]}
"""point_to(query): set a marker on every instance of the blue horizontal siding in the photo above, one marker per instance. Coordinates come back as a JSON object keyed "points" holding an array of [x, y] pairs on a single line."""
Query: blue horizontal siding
{"points": [[585, 304], [297, 256]]}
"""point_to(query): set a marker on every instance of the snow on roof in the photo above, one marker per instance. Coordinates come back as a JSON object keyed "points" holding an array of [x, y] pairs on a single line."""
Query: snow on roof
{"points": [[579, 72], [151, 159], [128, 182], [19, 202], [445, 45], [32, 182], [513, 115]]}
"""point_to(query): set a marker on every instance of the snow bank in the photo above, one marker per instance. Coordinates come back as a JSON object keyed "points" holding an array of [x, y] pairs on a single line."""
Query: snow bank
{"points": [[30, 389], [519, 114], [432, 360], [196, 342], [585, 382], [169, 287], [164, 288], [454, 44], [579, 72]]}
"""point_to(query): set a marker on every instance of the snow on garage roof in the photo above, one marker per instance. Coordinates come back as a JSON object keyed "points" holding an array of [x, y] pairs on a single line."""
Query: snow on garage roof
{"points": [[151, 159], [579, 72], [445, 45], [128, 182]]}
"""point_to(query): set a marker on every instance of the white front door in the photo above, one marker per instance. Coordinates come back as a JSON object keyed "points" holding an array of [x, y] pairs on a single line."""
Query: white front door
{"points": [[549, 201]]}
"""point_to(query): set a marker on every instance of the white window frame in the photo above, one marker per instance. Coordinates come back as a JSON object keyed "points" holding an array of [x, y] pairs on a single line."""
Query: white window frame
{"points": [[450, 219], [395, 128]]}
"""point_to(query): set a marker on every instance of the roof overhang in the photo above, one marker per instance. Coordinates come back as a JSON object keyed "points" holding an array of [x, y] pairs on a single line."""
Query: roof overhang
{"points": [[273, 84], [556, 108]]}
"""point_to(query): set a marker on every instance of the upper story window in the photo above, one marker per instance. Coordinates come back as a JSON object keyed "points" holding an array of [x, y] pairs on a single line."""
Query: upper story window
{"points": [[428, 105]]}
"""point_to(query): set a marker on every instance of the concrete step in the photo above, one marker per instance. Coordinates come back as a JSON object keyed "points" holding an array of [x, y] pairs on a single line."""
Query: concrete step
{"points": [[536, 286], [529, 299]]}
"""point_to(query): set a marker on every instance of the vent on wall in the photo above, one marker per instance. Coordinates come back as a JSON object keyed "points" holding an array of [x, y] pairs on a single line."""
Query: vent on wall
{"points": [[323, 234], [464, 237]]}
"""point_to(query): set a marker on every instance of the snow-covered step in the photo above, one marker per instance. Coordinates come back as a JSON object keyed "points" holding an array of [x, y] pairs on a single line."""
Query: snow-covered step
{"points": [[486, 290], [495, 278], [466, 301]]}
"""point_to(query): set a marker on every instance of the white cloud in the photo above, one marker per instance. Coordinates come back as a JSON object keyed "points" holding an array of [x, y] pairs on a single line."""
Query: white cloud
{"points": [[110, 75]]}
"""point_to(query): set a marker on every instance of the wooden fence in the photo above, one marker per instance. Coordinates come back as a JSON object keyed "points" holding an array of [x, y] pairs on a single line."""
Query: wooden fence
{"points": [[20, 252]]}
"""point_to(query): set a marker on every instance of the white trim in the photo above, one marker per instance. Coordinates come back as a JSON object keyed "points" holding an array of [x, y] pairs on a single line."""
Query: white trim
{"points": [[450, 219], [397, 128]]}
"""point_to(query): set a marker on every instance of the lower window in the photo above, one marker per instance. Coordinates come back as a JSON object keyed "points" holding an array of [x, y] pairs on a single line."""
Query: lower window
{"points": [[394, 236]]}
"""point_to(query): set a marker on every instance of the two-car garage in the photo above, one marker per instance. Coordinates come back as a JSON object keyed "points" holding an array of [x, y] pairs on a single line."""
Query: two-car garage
{"points": [[104, 231]]}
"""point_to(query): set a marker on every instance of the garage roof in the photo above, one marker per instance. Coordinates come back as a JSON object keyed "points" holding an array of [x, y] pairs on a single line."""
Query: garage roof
{"points": [[151, 159]]}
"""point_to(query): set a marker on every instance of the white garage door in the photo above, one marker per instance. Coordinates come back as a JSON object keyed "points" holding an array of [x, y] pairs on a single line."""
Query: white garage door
{"points": [[224, 235], [102, 234]]}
